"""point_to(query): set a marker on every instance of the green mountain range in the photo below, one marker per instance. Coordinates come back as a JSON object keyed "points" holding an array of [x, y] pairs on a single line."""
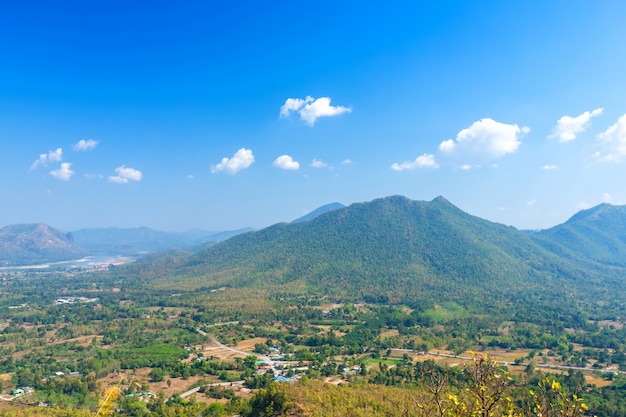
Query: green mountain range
{"points": [[597, 234], [398, 250]]}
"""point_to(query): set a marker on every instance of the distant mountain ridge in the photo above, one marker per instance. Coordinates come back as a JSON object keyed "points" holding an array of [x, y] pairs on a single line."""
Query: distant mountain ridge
{"points": [[319, 211], [25, 243], [131, 241], [392, 247], [597, 234], [137, 240]]}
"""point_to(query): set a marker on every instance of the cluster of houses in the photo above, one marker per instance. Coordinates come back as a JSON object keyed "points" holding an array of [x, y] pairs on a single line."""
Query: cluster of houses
{"points": [[143, 394], [282, 369], [20, 391], [72, 300], [60, 374]]}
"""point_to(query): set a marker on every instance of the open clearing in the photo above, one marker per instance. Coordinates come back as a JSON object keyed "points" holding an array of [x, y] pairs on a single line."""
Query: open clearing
{"points": [[248, 345]]}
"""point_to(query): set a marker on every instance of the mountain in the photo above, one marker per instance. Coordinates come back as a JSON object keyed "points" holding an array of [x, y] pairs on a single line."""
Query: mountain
{"points": [[219, 236], [597, 234], [144, 239], [33, 243], [319, 211], [387, 249]]}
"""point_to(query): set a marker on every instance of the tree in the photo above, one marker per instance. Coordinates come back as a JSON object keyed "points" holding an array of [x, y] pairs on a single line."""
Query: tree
{"points": [[488, 383], [156, 375], [214, 410], [269, 402]]}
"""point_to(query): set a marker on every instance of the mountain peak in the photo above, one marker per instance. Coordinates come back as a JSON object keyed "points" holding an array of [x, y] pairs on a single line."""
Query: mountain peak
{"points": [[24, 243], [602, 210], [442, 200], [385, 245], [400, 199], [318, 212], [598, 233]]}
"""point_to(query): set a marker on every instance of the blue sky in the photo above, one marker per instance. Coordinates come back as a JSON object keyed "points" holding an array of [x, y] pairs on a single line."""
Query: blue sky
{"points": [[222, 115]]}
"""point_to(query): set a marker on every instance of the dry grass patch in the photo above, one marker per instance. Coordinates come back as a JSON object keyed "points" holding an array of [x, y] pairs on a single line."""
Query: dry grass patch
{"points": [[504, 355], [141, 376], [219, 352], [389, 333], [598, 381], [248, 345], [333, 380], [327, 307], [609, 323]]}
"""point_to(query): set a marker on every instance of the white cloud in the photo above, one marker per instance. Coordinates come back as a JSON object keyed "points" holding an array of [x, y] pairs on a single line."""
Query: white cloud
{"points": [[242, 159], [44, 158], [568, 127], [125, 174], [486, 138], [311, 109], [293, 105], [346, 162], [446, 145], [55, 156], [531, 202], [549, 167], [466, 167], [423, 161], [614, 142], [64, 172], [607, 198], [85, 145], [286, 162], [316, 163], [42, 161]]}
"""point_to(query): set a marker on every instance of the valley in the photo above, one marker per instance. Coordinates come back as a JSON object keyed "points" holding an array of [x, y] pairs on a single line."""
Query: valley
{"points": [[406, 299]]}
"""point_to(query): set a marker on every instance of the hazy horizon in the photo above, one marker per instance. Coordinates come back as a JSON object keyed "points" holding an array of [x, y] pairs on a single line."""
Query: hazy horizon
{"points": [[262, 226]]}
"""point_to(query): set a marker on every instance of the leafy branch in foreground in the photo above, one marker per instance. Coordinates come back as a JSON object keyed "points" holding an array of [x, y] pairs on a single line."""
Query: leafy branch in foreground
{"points": [[551, 399]]}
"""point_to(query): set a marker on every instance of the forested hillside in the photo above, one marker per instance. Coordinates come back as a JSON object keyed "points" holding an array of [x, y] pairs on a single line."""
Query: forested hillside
{"points": [[597, 234], [391, 250]]}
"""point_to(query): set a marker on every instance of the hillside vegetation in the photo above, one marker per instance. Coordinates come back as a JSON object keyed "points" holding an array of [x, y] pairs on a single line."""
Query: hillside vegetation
{"points": [[392, 250], [597, 234]]}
